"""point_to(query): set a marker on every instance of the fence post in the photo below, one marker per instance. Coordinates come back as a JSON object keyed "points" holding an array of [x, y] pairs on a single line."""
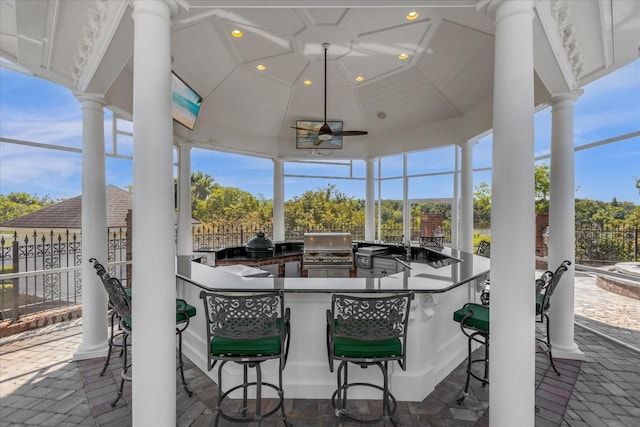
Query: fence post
{"points": [[635, 240], [16, 284]]}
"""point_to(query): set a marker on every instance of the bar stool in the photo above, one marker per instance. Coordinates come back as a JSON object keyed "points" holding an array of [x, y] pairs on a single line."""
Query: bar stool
{"points": [[121, 303], [367, 331], [113, 315], [474, 323], [247, 330], [545, 287], [184, 312]]}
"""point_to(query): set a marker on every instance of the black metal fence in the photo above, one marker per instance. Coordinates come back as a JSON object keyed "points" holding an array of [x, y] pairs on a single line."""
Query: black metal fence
{"points": [[604, 245], [229, 236], [42, 270]]}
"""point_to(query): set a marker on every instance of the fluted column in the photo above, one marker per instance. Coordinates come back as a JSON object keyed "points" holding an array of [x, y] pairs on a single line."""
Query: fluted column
{"points": [[512, 377], [94, 228], [466, 196], [185, 237], [154, 341], [562, 224], [278, 200], [369, 202]]}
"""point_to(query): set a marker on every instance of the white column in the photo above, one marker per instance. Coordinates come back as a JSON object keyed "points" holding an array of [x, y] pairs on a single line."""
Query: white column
{"points": [[369, 203], [562, 225], [94, 229], [512, 374], [455, 203], [278, 200], [406, 208], [185, 238], [154, 342], [466, 196]]}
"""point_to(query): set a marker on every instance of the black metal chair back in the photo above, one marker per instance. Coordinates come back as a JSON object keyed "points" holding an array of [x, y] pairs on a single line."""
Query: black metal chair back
{"points": [[484, 249], [551, 281], [372, 319], [118, 298]]}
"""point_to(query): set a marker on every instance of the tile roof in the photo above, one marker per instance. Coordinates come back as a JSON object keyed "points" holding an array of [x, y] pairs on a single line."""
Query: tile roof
{"points": [[68, 213]]}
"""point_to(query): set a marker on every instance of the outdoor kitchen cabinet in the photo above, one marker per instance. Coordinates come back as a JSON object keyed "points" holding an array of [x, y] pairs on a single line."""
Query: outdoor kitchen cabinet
{"points": [[383, 266]]}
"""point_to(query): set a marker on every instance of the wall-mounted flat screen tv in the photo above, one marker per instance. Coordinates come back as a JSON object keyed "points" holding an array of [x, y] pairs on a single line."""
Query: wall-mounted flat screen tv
{"points": [[185, 102], [309, 139]]}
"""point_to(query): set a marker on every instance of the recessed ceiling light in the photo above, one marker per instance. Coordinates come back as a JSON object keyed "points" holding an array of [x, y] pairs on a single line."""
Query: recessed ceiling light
{"points": [[403, 56], [236, 33], [308, 82], [359, 79], [412, 15], [261, 67]]}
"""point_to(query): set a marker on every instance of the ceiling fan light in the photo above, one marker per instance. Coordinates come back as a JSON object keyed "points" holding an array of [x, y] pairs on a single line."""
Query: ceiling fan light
{"points": [[325, 137]]}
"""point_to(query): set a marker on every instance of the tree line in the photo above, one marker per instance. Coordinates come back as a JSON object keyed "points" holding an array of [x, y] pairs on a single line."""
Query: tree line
{"points": [[329, 208]]}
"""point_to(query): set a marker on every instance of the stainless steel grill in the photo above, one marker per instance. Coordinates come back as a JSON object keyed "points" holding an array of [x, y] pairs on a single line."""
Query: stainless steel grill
{"points": [[327, 250]]}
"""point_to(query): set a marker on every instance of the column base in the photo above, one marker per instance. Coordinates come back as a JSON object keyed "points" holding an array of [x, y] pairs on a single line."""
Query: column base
{"points": [[86, 352], [570, 352]]}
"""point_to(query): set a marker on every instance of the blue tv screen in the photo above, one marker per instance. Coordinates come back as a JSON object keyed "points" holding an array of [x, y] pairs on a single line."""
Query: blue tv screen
{"points": [[185, 102]]}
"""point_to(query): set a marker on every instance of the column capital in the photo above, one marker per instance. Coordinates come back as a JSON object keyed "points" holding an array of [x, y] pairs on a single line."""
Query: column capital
{"points": [[150, 7], [183, 145], [278, 161], [499, 9], [90, 97], [566, 96], [468, 144]]}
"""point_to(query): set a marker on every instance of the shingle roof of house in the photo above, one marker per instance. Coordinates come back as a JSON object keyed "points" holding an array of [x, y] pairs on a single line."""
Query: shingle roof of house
{"points": [[68, 213]]}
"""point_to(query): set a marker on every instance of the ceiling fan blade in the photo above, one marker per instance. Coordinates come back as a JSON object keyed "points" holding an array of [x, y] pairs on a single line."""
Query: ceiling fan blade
{"points": [[350, 133], [304, 129]]}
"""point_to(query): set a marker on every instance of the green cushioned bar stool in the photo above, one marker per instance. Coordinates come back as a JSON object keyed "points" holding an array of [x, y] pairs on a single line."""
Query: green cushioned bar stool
{"points": [[247, 330], [545, 287], [184, 313], [120, 301], [113, 315], [367, 331], [474, 323], [120, 305]]}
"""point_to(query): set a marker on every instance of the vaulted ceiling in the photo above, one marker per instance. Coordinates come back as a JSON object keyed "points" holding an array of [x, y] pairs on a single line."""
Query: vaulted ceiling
{"points": [[441, 94]]}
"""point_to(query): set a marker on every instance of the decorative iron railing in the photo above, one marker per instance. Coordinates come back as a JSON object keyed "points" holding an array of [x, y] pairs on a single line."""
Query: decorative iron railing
{"points": [[42, 270], [604, 245]]}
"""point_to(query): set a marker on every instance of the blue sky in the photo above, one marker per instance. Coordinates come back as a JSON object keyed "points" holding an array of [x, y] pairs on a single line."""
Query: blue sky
{"points": [[35, 110]]}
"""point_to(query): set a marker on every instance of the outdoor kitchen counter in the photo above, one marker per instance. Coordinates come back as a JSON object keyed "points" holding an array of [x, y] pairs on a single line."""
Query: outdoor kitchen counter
{"points": [[435, 345], [422, 277]]}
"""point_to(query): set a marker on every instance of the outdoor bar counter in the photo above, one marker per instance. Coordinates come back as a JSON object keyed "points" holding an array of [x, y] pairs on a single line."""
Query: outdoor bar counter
{"points": [[435, 344]]}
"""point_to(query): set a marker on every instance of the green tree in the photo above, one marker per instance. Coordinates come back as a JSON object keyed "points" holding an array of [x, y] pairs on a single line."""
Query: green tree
{"points": [[542, 181], [15, 205], [229, 205], [323, 209], [482, 205]]}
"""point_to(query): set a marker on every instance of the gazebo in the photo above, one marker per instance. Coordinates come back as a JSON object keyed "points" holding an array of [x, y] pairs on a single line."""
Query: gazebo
{"points": [[413, 75]]}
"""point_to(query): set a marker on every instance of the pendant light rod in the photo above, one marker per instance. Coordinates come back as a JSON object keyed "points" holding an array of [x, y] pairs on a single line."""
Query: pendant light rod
{"points": [[325, 46]]}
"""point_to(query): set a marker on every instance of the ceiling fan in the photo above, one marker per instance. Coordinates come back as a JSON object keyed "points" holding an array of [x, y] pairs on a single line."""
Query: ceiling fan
{"points": [[325, 133]]}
